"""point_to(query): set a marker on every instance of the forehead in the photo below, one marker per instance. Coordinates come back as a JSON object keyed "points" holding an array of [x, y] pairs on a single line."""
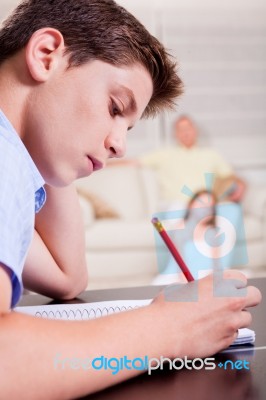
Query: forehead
{"points": [[184, 123], [133, 81]]}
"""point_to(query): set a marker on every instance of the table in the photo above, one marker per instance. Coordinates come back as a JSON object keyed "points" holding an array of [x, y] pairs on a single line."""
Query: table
{"points": [[218, 384]]}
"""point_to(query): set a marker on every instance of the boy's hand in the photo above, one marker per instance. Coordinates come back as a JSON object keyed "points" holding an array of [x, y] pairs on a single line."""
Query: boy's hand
{"points": [[202, 317]]}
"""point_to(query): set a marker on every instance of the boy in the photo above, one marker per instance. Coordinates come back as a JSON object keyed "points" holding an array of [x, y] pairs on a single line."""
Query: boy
{"points": [[75, 76]]}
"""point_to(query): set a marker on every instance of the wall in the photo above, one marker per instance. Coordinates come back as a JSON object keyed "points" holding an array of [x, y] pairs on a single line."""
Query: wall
{"points": [[221, 49]]}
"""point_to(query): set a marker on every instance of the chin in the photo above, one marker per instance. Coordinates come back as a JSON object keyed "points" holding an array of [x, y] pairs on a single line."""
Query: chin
{"points": [[59, 180]]}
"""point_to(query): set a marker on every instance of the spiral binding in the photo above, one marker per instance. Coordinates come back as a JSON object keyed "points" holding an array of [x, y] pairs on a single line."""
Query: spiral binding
{"points": [[80, 314]]}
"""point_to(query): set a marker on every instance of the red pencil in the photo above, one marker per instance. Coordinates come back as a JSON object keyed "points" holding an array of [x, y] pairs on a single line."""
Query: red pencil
{"points": [[173, 250]]}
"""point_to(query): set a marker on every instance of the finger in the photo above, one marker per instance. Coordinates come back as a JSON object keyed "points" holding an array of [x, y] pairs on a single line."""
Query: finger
{"points": [[228, 340], [238, 277], [245, 319], [253, 297]]}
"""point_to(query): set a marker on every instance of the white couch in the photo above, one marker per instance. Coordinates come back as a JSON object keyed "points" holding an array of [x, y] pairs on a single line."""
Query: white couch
{"points": [[121, 251]]}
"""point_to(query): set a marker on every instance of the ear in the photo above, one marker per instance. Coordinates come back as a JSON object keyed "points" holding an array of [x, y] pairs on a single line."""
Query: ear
{"points": [[44, 52]]}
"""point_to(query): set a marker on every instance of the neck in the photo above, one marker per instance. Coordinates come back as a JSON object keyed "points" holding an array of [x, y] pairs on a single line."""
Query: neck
{"points": [[13, 94]]}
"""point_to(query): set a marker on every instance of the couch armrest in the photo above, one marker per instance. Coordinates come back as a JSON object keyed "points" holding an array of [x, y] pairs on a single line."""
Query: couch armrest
{"points": [[87, 211]]}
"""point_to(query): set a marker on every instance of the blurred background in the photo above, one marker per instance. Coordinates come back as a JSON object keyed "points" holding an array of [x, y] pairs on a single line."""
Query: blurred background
{"points": [[220, 46]]}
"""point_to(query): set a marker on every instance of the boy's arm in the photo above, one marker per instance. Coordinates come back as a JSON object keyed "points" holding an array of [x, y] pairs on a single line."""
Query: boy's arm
{"points": [[56, 265], [5, 289], [57, 352]]}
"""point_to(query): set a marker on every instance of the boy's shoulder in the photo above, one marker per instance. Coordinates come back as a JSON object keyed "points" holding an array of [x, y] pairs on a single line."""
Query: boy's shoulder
{"points": [[16, 163], [12, 158]]}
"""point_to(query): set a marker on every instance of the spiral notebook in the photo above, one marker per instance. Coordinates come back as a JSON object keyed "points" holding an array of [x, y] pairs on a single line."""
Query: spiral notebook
{"points": [[82, 311], [87, 311]]}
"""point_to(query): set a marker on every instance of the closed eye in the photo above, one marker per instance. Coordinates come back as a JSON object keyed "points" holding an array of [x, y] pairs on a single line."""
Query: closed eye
{"points": [[114, 109]]}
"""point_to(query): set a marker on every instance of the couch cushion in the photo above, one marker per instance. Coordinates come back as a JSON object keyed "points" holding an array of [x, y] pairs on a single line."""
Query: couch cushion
{"points": [[254, 201], [121, 188], [253, 227], [120, 235], [100, 207]]}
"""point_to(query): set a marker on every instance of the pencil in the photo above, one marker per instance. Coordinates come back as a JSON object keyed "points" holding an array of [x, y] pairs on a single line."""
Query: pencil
{"points": [[173, 250]]}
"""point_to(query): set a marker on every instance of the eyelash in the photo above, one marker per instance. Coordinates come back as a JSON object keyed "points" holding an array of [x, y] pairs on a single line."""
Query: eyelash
{"points": [[115, 106]]}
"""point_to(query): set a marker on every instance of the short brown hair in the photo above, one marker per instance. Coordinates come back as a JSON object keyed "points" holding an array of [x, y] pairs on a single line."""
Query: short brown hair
{"points": [[96, 29]]}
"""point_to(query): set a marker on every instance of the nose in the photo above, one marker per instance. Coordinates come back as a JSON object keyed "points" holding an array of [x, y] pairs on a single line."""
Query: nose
{"points": [[115, 143]]}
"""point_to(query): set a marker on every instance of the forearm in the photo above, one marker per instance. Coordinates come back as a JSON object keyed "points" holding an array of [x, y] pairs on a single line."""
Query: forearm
{"points": [[57, 254], [5, 289], [43, 275], [51, 341]]}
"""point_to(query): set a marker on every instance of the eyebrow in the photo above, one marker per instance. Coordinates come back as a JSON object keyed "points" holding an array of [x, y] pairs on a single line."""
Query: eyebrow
{"points": [[132, 106], [132, 101]]}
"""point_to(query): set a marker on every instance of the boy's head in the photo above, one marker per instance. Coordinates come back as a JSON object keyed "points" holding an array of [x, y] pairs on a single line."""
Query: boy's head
{"points": [[81, 73], [96, 30]]}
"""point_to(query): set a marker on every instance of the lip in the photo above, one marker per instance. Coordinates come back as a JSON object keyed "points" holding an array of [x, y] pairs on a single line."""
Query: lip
{"points": [[97, 165]]}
